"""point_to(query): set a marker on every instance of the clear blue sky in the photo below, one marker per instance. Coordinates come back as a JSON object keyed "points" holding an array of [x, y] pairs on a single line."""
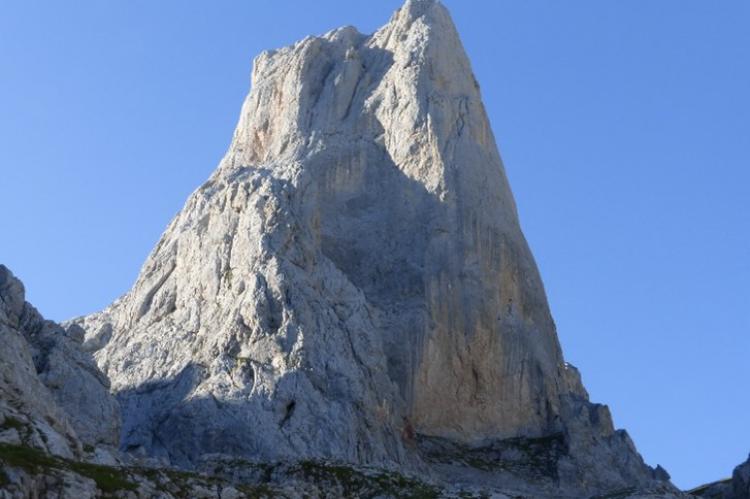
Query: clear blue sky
{"points": [[624, 126]]}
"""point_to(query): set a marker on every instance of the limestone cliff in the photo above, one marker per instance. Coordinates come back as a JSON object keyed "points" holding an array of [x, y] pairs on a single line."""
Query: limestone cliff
{"points": [[352, 284]]}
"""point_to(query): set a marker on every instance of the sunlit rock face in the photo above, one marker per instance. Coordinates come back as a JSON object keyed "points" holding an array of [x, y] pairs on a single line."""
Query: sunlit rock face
{"points": [[352, 278]]}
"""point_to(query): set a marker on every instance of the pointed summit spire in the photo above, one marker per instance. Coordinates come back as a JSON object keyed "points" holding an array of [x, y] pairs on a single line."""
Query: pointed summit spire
{"points": [[413, 9], [354, 273], [428, 17]]}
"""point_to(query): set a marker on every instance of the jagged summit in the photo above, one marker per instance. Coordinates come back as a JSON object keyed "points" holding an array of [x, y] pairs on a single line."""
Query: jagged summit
{"points": [[352, 284], [400, 114], [418, 8]]}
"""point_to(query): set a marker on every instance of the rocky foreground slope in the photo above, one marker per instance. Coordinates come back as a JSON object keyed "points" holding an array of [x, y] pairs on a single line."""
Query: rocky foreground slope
{"points": [[59, 431], [43, 455], [348, 295]]}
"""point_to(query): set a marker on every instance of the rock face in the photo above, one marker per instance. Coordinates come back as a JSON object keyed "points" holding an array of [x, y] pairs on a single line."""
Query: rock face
{"points": [[52, 395], [741, 481], [737, 487], [352, 282]]}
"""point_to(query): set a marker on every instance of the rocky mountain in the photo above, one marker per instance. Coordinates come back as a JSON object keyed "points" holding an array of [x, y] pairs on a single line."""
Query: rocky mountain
{"points": [[348, 304]]}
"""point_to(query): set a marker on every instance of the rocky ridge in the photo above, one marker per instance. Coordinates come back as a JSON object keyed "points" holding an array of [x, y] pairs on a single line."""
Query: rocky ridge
{"points": [[736, 487]]}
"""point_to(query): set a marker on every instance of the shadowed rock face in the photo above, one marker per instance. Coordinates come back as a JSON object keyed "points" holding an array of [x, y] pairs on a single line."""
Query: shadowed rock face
{"points": [[352, 275], [737, 487], [52, 395]]}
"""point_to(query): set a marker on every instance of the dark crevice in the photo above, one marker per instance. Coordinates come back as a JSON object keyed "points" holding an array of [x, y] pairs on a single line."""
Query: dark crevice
{"points": [[289, 413]]}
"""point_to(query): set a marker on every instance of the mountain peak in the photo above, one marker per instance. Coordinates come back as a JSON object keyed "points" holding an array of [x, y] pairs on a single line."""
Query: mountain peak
{"points": [[419, 22], [419, 8], [352, 284]]}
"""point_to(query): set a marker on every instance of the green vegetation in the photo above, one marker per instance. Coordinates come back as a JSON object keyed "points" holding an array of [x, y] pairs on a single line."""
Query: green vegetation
{"points": [[11, 422], [619, 494], [4, 480], [333, 479], [108, 479], [356, 483], [258, 491], [26, 458], [482, 495]]}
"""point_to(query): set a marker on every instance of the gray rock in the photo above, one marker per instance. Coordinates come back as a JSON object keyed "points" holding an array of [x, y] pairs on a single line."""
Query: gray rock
{"points": [[350, 285], [49, 386], [26, 405], [352, 275], [78, 386], [741, 481], [737, 487]]}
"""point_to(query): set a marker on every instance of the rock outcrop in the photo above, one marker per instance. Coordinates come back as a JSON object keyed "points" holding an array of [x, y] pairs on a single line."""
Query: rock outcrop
{"points": [[737, 487], [350, 285], [741, 481], [51, 392], [55, 404]]}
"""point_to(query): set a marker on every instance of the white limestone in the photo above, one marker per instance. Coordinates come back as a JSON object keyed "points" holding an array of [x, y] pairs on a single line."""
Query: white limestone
{"points": [[52, 395], [352, 280]]}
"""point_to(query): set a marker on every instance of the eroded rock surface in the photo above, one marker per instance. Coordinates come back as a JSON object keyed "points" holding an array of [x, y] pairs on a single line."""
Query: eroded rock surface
{"points": [[352, 284], [351, 277], [51, 392], [55, 404]]}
